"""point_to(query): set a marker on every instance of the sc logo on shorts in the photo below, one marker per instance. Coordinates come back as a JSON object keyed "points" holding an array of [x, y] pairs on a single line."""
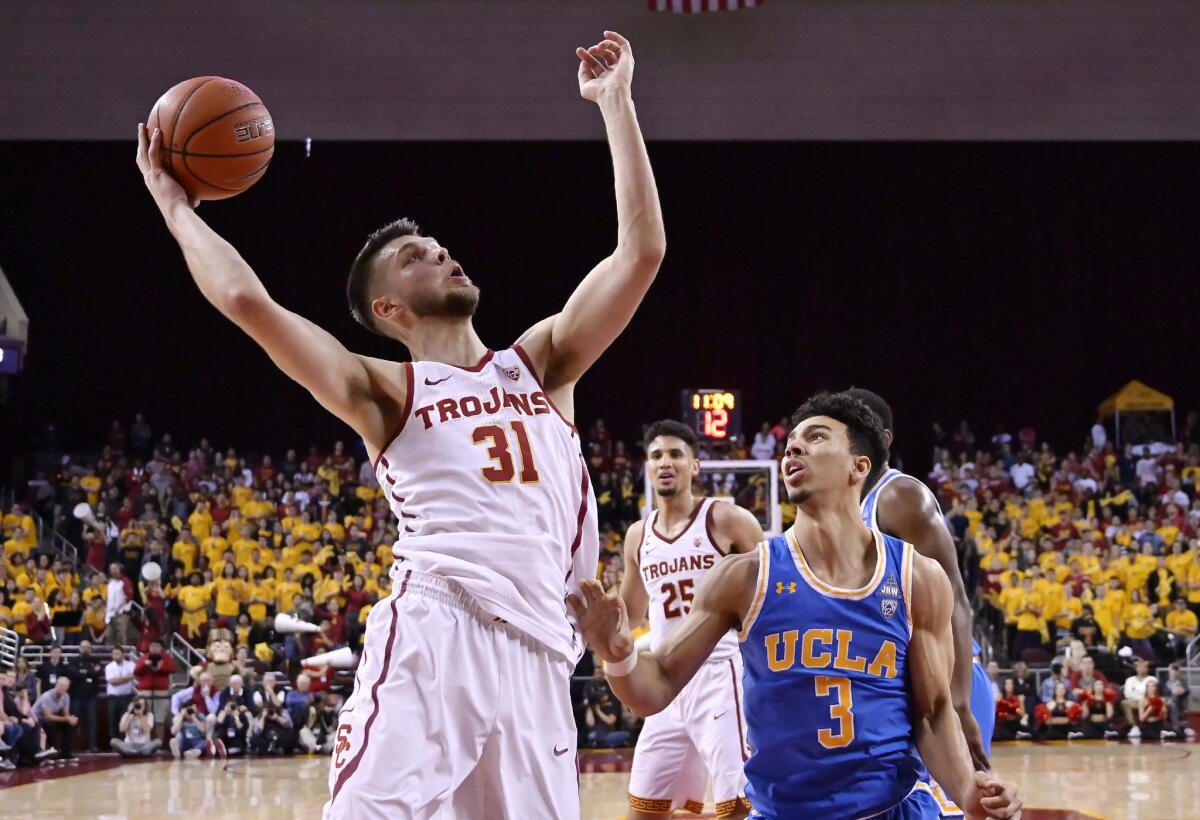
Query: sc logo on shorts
{"points": [[342, 746]]}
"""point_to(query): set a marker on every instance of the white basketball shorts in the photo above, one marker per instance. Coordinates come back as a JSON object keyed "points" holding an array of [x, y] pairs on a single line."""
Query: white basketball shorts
{"points": [[452, 715], [701, 735]]}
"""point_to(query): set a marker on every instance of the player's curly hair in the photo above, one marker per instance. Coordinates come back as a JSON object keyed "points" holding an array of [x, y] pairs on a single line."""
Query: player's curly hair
{"points": [[863, 426], [877, 403], [358, 284]]}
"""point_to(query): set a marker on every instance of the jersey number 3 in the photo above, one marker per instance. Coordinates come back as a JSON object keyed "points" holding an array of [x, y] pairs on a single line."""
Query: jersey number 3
{"points": [[840, 711], [502, 471]]}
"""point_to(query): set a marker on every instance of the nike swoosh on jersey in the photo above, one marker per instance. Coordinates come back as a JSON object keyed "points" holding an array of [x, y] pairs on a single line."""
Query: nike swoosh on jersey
{"points": [[559, 752], [723, 714], [432, 383]]}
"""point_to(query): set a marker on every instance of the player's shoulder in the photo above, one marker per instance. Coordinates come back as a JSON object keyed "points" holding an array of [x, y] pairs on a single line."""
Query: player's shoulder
{"points": [[735, 525], [906, 489], [931, 597], [635, 533]]}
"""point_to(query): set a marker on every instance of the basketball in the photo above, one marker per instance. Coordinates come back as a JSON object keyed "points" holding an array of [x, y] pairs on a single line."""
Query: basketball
{"points": [[217, 136]]}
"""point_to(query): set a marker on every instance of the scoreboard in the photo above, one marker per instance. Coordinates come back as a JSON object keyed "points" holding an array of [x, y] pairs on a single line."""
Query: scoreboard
{"points": [[713, 413]]}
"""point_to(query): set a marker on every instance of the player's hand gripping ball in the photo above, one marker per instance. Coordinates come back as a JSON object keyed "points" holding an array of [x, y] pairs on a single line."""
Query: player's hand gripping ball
{"points": [[216, 136]]}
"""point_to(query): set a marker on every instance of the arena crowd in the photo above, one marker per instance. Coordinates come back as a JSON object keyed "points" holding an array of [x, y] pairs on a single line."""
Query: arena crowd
{"points": [[1081, 564]]}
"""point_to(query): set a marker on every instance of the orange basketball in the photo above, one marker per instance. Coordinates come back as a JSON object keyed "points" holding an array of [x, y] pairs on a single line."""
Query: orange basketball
{"points": [[217, 136]]}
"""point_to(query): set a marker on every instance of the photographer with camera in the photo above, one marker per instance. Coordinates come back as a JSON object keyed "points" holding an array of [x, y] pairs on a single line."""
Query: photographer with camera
{"points": [[188, 733], [153, 676], [232, 726], [272, 731], [320, 730], [138, 725]]}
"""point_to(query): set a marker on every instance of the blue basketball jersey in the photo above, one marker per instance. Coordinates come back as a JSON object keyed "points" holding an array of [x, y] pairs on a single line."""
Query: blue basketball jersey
{"points": [[825, 682]]}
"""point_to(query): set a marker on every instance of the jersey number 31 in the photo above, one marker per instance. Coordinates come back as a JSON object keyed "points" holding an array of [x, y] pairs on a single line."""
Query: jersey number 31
{"points": [[502, 470]]}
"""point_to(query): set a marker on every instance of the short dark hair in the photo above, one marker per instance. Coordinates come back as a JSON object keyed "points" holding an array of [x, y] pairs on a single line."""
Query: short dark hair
{"points": [[358, 284], [863, 426], [670, 427], [875, 402]]}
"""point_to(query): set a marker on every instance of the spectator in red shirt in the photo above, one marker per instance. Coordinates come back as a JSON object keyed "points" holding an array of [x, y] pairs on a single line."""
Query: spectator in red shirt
{"points": [[37, 623], [337, 623], [356, 597], [152, 676]]}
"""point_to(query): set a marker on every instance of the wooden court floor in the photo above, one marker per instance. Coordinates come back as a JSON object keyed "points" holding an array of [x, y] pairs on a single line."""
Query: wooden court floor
{"points": [[1073, 781]]}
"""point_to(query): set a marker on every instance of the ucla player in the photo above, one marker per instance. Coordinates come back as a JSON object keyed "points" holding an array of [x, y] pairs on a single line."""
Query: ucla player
{"points": [[461, 701], [845, 637], [667, 555], [903, 506]]}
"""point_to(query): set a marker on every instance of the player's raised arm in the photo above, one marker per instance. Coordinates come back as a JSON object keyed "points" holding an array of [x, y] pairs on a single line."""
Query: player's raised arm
{"points": [[910, 512], [654, 680], [605, 301], [342, 382], [633, 591], [935, 723]]}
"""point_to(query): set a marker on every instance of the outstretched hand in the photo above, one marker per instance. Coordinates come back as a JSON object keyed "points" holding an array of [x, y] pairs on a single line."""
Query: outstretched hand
{"points": [[603, 620], [166, 191], [606, 66]]}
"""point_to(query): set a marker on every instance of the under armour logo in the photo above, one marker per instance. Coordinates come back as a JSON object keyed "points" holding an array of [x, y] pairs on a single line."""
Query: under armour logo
{"points": [[780, 586]]}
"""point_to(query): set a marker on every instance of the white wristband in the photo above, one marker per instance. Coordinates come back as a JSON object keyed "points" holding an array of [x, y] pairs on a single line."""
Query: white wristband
{"points": [[621, 668]]}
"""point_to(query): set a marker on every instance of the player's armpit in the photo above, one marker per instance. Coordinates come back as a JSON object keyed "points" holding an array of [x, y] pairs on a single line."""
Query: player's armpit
{"points": [[364, 393], [735, 529], [930, 655]]}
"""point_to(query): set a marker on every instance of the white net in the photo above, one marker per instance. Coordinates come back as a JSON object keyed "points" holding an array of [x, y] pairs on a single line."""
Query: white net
{"points": [[750, 484]]}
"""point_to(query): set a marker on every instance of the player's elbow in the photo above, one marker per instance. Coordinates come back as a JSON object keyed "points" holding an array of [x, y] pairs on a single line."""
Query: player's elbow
{"points": [[929, 707], [241, 304]]}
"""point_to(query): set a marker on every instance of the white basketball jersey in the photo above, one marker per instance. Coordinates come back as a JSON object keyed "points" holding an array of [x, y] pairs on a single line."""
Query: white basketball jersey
{"points": [[671, 570], [491, 490]]}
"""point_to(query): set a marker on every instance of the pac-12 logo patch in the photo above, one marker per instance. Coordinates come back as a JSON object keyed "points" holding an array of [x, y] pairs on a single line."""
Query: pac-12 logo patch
{"points": [[889, 590], [513, 373]]}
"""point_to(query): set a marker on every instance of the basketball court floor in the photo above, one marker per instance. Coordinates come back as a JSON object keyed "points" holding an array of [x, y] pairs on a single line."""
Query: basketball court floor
{"points": [[1076, 781]]}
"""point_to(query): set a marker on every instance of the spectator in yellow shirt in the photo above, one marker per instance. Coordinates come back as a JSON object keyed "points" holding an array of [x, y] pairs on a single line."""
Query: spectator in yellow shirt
{"points": [[259, 507], [18, 545], [1070, 607], [193, 601], [1178, 562], [306, 567], [306, 530], [201, 521], [186, 551], [334, 527], [16, 517], [1182, 625], [1139, 624], [1030, 626], [287, 590], [262, 595], [1161, 585], [1118, 599], [329, 588], [22, 608], [229, 591], [1106, 618]]}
